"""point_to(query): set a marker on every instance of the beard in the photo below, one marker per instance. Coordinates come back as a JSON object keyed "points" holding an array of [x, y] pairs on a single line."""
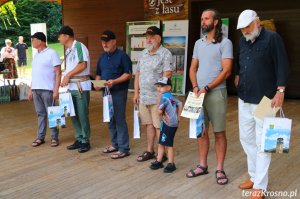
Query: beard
{"points": [[207, 28], [151, 47], [253, 35], [106, 50]]}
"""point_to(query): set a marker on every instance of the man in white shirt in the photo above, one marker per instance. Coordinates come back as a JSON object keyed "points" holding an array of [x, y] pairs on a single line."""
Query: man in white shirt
{"points": [[46, 76], [77, 79]]}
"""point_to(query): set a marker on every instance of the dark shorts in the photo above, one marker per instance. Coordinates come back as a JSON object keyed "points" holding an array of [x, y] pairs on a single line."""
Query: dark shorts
{"points": [[22, 62], [167, 134]]}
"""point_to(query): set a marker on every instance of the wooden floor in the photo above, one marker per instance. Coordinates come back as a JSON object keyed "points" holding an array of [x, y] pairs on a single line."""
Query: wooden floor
{"points": [[45, 172]]}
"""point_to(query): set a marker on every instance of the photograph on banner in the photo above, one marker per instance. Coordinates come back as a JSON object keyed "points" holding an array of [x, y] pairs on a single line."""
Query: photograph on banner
{"points": [[175, 38], [166, 9], [192, 106], [225, 26], [136, 42]]}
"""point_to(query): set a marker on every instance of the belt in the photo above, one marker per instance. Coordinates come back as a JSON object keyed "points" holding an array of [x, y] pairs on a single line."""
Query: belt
{"points": [[78, 79]]}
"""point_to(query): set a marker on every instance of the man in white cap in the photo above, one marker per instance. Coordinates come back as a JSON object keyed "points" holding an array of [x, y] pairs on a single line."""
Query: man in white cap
{"points": [[261, 70]]}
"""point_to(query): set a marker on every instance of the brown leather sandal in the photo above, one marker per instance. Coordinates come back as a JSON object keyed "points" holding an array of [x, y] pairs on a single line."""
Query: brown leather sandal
{"points": [[37, 142], [146, 155], [119, 155], [54, 143], [109, 149], [194, 174], [224, 177]]}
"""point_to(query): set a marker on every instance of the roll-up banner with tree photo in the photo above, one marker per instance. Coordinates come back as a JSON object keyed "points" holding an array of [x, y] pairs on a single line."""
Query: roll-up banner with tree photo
{"points": [[175, 38]]}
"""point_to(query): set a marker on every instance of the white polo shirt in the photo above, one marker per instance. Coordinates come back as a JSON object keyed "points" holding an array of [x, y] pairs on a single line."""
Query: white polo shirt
{"points": [[74, 55], [43, 74]]}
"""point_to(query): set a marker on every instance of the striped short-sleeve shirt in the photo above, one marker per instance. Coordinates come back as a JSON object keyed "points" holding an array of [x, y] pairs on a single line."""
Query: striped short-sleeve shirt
{"points": [[76, 54]]}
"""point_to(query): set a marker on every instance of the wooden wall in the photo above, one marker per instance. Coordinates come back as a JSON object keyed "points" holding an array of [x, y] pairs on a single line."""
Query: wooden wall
{"points": [[90, 18], [286, 15]]}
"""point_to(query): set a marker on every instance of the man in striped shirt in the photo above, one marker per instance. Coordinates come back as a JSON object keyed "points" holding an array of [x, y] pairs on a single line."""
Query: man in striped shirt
{"points": [[77, 79]]}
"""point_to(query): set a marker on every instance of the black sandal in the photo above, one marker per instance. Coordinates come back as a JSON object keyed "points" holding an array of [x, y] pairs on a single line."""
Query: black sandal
{"points": [[37, 142], [204, 172], [221, 177], [145, 156]]}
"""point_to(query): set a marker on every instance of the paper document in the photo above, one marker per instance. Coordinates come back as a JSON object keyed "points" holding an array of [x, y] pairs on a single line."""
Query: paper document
{"points": [[192, 106], [99, 83], [264, 109]]}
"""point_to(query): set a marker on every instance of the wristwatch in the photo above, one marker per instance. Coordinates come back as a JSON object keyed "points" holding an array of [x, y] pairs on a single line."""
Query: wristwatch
{"points": [[207, 88], [281, 90]]}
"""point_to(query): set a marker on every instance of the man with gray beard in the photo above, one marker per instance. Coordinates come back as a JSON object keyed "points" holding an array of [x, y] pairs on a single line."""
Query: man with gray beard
{"points": [[261, 70], [154, 63]]}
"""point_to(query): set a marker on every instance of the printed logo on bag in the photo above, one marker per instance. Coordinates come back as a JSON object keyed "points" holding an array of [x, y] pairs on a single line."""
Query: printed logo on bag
{"points": [[163, 137]]}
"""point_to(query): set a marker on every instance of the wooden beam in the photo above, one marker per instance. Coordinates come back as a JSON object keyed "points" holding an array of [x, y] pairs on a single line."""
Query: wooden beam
{"points": [[3, 2]]}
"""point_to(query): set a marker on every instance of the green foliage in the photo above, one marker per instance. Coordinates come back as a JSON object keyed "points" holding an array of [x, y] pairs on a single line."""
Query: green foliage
{"points": [[55, 46], [33, 11], [6, 11]]}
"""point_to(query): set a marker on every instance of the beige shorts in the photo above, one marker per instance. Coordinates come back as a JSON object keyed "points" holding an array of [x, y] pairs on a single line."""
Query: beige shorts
{"points": [[149, 115], [214, 108]]}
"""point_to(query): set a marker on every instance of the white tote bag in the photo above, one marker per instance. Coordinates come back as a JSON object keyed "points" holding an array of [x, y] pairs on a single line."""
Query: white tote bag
{"points": [[136, 123], [108, 109], [276, 134], [24, 90], [66, 104], [56, 117], [197, 126]]}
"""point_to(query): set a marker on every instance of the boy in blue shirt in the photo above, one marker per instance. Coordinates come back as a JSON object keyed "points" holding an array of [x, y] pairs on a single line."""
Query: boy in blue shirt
{"points": [[169, 108]]}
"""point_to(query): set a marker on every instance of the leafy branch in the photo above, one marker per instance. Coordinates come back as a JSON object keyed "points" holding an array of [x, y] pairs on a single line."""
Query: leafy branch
{"points": [[6, 10]]}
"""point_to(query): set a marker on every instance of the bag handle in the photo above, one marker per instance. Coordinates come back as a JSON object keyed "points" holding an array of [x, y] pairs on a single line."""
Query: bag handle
{"points": [[53, 102], [106, 91], [136, 107], [282, 113]]}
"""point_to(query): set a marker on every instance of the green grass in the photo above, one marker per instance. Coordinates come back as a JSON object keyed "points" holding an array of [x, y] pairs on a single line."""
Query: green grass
{"points": [[55, 46]]}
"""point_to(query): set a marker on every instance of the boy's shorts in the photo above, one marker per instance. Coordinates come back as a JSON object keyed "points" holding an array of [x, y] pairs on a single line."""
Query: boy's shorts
{"points": [[167, 134]]}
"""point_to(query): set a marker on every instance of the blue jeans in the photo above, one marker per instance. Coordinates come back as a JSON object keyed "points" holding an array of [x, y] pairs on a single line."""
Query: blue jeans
{"points": [[42, 100], [117, 126]]}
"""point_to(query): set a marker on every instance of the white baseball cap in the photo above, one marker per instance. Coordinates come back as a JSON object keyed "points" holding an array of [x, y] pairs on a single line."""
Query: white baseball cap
{"points": [[164, 81], [245, 18]]}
